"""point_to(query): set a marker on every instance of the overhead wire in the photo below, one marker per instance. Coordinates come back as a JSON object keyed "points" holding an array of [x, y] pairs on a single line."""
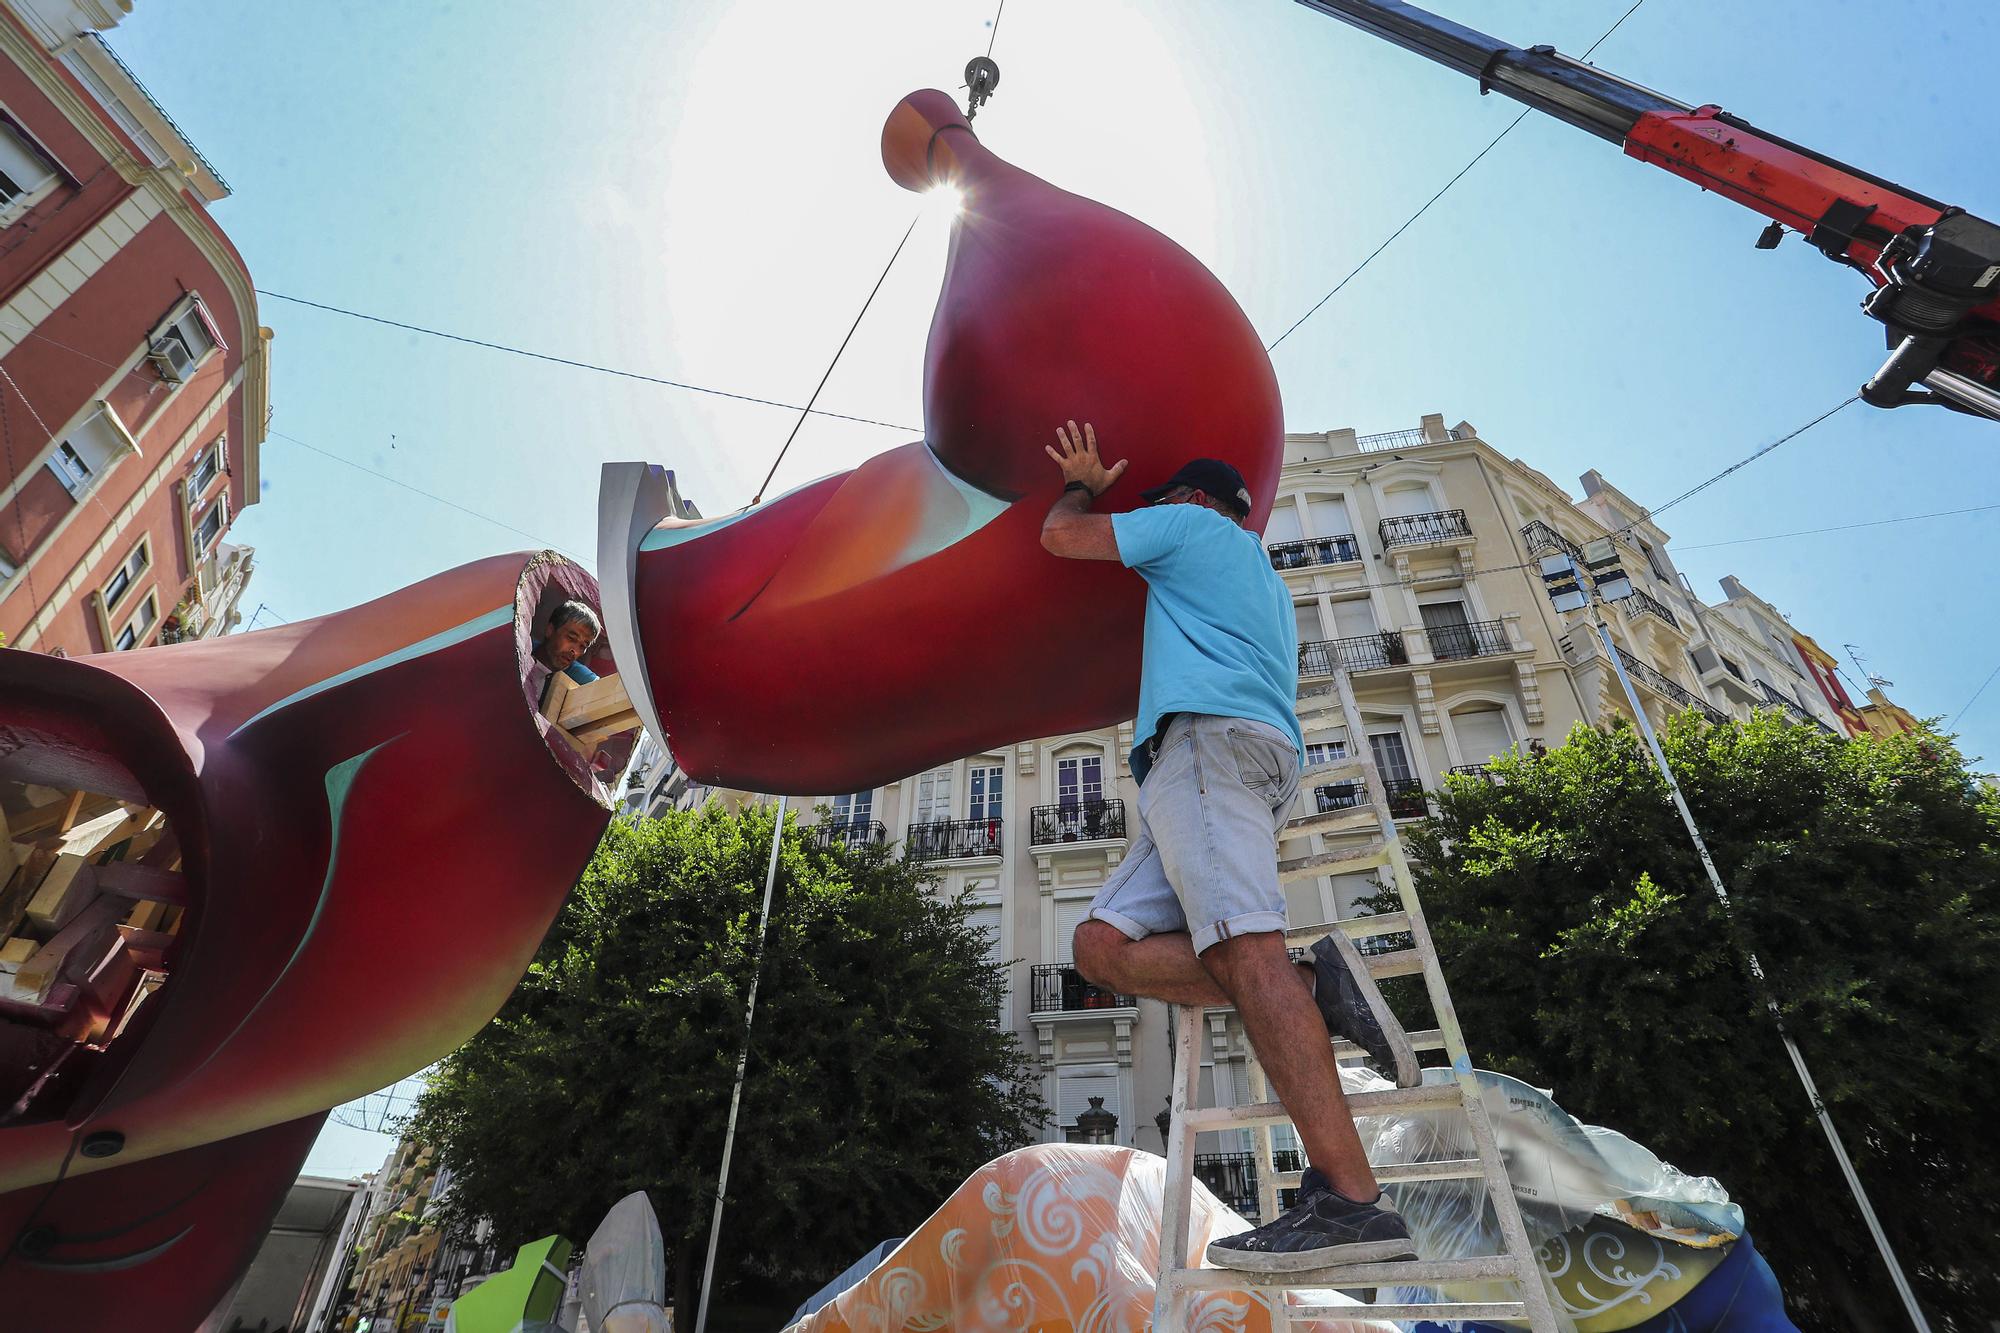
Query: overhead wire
{"points": [[1975, 698], [578, 364], [1839, 527], [806, 411], [1459, 175]]}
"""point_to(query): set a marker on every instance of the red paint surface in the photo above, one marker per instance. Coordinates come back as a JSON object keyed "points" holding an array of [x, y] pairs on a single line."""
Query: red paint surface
{"points": [[801, 650], [317, 962]]}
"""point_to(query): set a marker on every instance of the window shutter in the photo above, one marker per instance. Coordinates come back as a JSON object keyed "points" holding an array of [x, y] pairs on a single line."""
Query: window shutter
{"points": [[222, 452], [1070, 913], [1075, 1087], [1353, 618], [207, 323], [1481, 732], [1284, 524], [1329, 516]]}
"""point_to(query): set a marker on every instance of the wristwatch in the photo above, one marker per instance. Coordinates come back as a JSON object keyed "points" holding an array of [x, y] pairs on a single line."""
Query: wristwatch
{"points": [[1080, 486]]}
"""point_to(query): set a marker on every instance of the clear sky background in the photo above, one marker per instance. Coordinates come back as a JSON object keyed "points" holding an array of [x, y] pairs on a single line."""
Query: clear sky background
{"points": [[693, 190]]}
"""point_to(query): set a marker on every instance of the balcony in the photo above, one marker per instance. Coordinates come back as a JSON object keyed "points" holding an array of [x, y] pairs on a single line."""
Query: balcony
{"points": [[1059, 989], [1446, 525], [1669, 688], [1340, 550], [953, 839], [1363, 652], [1087, 821], [1644, 603], [1545, 540], [850, 833], [1406, 798], [1483, 772], [1340, 796], [1230, 1177], [1795, 709], [1478, 638]]}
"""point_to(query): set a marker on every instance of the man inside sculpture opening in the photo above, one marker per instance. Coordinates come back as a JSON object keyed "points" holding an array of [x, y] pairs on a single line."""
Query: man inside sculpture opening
{"points": [[572, 630], [1195, 913]]}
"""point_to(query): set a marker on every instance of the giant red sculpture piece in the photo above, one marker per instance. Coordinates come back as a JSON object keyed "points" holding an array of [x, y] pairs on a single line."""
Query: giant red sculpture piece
{"points": [[374, 828], [870, 625], [374, 832]]}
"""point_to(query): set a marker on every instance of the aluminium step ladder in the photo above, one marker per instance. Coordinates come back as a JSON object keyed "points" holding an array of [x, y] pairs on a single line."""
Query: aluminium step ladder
{"points": [[1461, 1094]]}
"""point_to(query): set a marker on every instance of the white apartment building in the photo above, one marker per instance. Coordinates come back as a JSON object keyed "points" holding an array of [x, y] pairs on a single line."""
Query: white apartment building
{"points": [[1413, 561]]}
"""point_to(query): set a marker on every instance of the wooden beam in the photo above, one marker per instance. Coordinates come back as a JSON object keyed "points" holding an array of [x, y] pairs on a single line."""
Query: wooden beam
{"points": [[57, 815], [150, 883]]}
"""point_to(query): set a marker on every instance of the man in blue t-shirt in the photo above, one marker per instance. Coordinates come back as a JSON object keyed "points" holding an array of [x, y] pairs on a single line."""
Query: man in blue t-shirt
{"points": [[1195, 913]]}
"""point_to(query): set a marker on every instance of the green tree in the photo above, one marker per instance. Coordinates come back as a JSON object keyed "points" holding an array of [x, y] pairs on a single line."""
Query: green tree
{"points": [[877, 1078], [1586, 952]]}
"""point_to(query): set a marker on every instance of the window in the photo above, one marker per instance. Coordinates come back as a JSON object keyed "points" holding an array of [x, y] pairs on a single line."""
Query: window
{"points": [[1306, 614], [1324, 752], [1392, 757], [98, 442], [69, 465], [1353, 618], [1329, 516], [1407, 500], [1284, 524], [1076, 1085], [984, 782], [24, 170], [126, 575], [1481, 732], [210, 526], [141, 622], [207, 467], [1656, 563], [1079, 780], [180, 344], [933, 796], [858, 808]]}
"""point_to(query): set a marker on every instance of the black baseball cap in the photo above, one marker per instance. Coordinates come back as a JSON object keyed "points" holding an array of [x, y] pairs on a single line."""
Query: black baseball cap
{"points": [[1210, 476]]}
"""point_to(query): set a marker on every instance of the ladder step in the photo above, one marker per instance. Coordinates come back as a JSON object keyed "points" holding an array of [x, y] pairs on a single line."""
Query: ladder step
{"points": [[1396, 963], [1401, 1173], [1354, 927], [1345, 860], [1348, 819], [1430, 1039], [1441, 1314], [1426, 1097], [1399, 1272], [1316, 775]]}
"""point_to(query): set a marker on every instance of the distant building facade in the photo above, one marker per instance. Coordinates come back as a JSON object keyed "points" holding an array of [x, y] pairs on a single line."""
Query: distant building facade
{"points": [[134, 375], [1413, 559]]}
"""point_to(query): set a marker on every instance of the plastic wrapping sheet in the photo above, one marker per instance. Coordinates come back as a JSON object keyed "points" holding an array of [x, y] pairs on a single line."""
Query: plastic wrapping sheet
{"points": [[625, 1270], [1620, 1233], [1053, 1237]]}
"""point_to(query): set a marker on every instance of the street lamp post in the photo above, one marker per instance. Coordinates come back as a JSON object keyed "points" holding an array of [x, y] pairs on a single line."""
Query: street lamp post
{"points": [[1570, 589], [1096, 1125]]}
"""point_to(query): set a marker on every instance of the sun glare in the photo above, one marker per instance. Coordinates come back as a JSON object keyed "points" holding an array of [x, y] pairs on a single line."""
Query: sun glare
{"points": [[947, 199]]}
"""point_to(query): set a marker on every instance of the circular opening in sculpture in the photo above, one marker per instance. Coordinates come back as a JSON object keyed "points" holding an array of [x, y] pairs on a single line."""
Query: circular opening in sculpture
{"points": [[568, 676]]}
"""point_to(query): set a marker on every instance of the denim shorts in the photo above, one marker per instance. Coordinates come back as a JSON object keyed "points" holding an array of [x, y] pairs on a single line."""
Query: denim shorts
{"points": [[1205, 858]]}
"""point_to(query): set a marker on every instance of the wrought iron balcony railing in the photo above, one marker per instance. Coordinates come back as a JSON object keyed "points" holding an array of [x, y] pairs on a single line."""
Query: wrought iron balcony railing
{"points": [[1670, 688], [1056, 988], [1363, 652], [1651, 605], [1340, 796], [1481, 771], [949, 839], [1545, 540], [1406, 798], [1083, 821], [1230, 1177], [1339, 550], [1446, 525], [1797, 710], [1478, 638], [850, 833]]}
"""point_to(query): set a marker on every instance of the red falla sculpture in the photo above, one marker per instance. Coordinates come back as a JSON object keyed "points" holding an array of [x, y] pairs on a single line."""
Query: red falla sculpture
{"points": [[375, 830]]}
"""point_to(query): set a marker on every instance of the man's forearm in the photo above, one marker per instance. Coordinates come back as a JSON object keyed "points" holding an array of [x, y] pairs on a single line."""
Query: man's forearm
{"points": [[1073, 532]]}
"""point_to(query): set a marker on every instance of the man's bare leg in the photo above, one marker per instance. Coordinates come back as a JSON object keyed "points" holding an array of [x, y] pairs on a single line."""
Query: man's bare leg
{"points": [[1291, 1041], [1159, 967]]}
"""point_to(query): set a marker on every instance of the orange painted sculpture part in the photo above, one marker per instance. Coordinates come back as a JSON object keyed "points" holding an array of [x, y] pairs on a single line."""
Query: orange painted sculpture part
{"points": [[871, 625]]}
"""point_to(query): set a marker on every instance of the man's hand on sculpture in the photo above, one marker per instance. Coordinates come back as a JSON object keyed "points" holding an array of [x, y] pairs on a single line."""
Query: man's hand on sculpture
{"points": [[1079, 461]]}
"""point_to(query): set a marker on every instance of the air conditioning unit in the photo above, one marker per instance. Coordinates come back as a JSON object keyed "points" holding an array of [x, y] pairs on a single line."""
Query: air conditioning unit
{"points": [[170, 357]]}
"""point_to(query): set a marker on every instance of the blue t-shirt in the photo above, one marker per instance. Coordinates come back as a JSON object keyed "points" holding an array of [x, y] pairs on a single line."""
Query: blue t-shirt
{"points": [[1220, 635]]}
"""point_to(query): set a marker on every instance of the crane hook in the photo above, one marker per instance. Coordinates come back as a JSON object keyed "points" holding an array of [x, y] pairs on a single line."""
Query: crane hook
{"points": [[982, 76]]}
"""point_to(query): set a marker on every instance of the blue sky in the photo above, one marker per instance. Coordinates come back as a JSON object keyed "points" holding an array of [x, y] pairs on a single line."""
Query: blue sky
{"points": [[692, 190]]}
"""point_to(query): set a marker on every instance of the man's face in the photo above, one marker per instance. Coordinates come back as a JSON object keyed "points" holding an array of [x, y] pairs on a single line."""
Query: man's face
{"points": [[565, 645]]}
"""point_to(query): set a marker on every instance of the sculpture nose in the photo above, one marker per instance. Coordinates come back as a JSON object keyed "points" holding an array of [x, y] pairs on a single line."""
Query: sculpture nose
{"points": [[927, 143]]}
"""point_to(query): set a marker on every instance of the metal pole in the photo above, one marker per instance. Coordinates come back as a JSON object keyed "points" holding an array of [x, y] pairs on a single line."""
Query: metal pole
{"points": [[1910, 1305], [743, 1063]]}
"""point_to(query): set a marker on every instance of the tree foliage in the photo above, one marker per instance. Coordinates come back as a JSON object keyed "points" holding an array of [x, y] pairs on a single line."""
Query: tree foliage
{"points": [[877, 1078], [1587, 952]]}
